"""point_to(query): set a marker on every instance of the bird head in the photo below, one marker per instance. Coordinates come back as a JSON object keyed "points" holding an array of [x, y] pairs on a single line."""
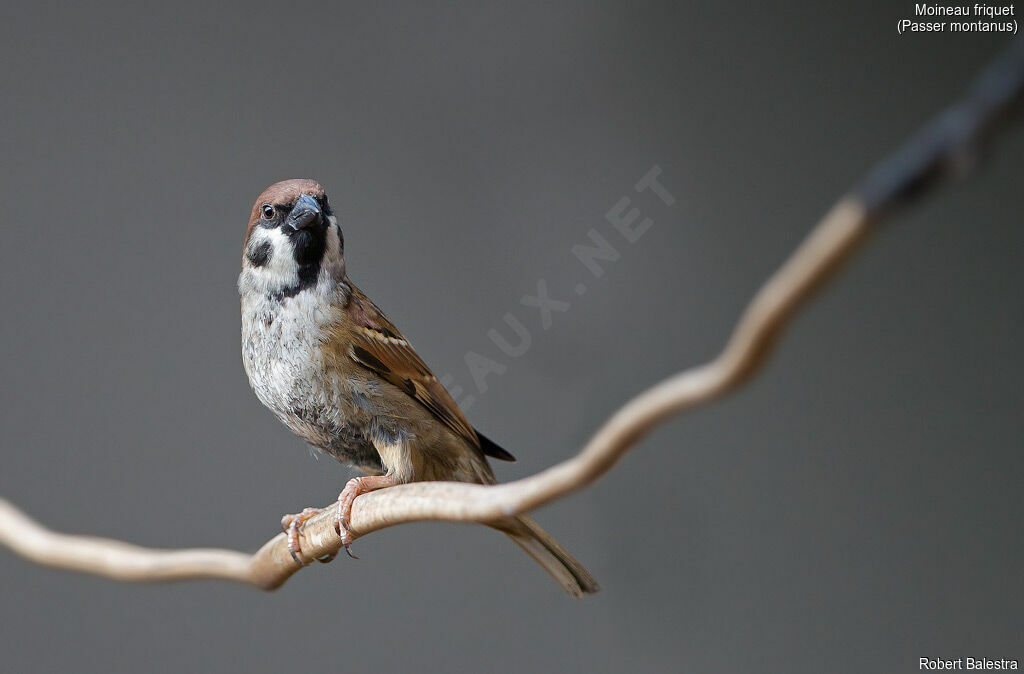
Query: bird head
{"points": [[293, 241]]}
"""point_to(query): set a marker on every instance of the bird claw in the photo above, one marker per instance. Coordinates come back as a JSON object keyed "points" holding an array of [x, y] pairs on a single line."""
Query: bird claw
{"points": [[353, 488], [341, 524], [292, 525]]}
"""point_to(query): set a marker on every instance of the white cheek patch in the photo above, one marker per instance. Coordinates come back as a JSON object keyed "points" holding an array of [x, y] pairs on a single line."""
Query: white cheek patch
{"points": [[282, 263], [277, 270], [333, 263], [270, 264], [333, 251]]}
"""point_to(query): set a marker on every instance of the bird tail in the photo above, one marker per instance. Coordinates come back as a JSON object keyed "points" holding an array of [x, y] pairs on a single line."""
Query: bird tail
{"points": [[550, 554]]}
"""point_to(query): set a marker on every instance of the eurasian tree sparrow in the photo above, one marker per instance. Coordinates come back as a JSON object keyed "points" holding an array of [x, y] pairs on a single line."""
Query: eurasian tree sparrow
{"points": [[341, 376]]}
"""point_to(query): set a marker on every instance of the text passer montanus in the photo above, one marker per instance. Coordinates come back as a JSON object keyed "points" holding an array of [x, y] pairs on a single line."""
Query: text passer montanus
{"points": [[341, 376]]}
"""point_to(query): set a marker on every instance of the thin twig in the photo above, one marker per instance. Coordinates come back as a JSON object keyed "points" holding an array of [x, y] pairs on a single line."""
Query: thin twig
{"points": [[946, 148], [115, 559]]}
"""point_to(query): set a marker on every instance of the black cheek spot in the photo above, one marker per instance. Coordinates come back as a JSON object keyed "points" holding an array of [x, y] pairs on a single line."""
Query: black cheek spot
{"points": [[260, 255]]}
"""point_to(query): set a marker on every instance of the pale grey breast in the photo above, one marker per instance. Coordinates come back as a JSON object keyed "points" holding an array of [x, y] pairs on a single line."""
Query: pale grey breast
{"points": [[281, 341]]}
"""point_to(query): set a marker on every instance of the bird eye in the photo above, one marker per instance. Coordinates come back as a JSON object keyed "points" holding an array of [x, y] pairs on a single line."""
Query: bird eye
{"points": [[268, 211]]}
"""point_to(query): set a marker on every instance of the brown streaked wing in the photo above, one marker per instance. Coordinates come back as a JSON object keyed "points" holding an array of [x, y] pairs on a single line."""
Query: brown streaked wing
{"points": [[379, 346]]}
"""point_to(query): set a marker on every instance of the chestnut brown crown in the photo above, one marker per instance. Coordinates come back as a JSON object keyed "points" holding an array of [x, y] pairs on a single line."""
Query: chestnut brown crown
{"points": [[283, 195]]}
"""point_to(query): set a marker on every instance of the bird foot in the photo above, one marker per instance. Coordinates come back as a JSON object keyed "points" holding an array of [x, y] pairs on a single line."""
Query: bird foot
{"points": [[292, 525], [353, 489]]}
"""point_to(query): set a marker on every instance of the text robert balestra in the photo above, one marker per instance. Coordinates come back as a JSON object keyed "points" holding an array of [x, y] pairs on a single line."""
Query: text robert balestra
{"points": [[975, 664]]}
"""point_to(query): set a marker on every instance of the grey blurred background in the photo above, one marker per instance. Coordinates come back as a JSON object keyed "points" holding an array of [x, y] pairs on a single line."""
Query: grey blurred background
{"points": [[855, 508]]}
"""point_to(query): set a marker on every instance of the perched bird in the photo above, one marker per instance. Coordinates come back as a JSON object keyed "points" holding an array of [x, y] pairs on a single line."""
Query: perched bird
{"points": [[340, 375]]}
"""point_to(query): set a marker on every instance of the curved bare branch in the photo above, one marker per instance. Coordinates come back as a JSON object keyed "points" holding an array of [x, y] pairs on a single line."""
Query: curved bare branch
{"points": [[941, 150]]}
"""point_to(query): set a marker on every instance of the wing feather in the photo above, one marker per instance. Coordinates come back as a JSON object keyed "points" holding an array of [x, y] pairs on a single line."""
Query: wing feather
{"points": [[379, 346]]}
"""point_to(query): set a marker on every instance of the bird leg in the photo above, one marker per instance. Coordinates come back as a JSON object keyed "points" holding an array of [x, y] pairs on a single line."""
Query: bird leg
{"points": [[292, 525], [353, 488]]}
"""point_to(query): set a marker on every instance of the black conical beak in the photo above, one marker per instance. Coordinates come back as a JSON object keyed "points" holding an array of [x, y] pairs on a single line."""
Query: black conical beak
{"points": [[305, 213]]}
